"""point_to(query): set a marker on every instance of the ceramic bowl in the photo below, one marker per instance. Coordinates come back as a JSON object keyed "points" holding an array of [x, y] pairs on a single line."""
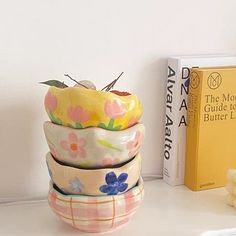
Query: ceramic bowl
{"points": [[96, 213], [105, 181], [93, 147], [80, 108]]}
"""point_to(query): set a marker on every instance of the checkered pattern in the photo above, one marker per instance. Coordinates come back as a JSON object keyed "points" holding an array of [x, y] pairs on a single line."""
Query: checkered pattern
{"points": [[96, 214]]}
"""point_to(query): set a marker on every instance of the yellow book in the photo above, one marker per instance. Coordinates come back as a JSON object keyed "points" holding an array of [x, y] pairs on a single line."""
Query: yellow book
{"points": [[211, 128]]}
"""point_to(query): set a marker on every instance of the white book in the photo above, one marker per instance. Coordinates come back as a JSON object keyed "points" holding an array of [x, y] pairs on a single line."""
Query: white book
{"points": [[176, 110]]}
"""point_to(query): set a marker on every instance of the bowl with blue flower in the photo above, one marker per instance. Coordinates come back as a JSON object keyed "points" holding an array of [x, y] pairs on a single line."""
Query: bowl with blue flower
{"points": [[113, 180]]}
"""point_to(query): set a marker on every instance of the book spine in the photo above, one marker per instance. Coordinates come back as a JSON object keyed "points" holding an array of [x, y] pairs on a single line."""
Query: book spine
{"points": [[170, 143], [193, 120]]}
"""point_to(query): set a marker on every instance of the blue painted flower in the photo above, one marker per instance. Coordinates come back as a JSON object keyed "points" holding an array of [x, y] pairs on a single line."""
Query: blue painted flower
{"points": [[76, 186], [114, 185]]}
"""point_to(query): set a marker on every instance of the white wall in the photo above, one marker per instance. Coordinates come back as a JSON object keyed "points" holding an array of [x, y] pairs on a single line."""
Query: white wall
{"points": [[91, 39]]}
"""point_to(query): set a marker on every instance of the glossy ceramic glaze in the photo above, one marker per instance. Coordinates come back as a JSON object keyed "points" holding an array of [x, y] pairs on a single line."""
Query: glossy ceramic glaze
{"points": [[93, 147], [105, 181], [96, 214], [80, 108]]}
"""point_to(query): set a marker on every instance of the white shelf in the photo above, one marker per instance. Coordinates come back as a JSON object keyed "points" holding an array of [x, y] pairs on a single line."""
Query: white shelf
{"points": [[165, 211]]}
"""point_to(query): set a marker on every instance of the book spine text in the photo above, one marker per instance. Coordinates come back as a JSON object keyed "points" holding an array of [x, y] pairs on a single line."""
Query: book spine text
{"points": [[170, 122], [193, 119]]}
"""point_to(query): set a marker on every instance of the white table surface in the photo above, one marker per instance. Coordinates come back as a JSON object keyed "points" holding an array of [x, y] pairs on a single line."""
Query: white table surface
{"points": [[165, 211]]}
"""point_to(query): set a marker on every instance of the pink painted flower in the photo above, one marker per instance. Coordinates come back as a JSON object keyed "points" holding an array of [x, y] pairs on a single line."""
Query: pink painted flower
{"points": [[50, 102], [74, 145], [109, 162], [133, 146], [54, 151], [133, 121], [114, 108], [78, 114]]}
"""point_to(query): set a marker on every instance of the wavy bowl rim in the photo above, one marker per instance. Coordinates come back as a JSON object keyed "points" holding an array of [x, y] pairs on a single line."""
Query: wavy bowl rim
{"points": [[140, 124], [137, 189], [92, 91], [134, 161]]}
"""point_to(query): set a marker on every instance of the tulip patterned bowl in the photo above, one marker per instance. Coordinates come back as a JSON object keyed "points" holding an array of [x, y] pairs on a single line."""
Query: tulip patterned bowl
{"points": [[95, 182], [93, 147], [96, 214], [78, 107]]}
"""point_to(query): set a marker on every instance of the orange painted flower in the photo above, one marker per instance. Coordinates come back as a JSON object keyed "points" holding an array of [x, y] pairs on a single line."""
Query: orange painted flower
{"points": [[133, 146], [74, 145], [50, 102], [114, 109], [78, 114]]}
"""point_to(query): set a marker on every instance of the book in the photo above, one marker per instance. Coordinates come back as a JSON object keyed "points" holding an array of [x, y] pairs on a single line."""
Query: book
{"points": [[176, 111], [211, 129]]}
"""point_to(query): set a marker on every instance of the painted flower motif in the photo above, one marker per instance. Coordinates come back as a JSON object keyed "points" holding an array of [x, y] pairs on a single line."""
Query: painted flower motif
{"points": [[78, 114], [74, 145], [114, 185], [109, 162], [76, 186], [114, 109], [50, 102], [133, 121], [134, 145]]}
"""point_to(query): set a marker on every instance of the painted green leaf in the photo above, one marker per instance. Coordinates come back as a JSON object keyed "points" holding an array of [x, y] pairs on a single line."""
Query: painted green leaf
{"points": [[107, 144], [102, 125], [55, 83], [111, 123], [70, 125], [54, 119], [78, 125], [59, 121], [117, 127]]}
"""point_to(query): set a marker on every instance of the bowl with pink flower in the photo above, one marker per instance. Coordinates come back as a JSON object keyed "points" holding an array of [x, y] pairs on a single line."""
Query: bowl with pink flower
{"points": [[79, 108], [94, 146]]}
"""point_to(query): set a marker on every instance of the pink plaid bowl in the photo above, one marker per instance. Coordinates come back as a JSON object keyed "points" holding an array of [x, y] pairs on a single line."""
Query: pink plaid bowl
{"points": [[96, 214], [95, 182]]}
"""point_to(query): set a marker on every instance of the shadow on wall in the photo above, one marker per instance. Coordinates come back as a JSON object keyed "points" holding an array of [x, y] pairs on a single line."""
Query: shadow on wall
{"points": [[152, 90], [16, 149]]}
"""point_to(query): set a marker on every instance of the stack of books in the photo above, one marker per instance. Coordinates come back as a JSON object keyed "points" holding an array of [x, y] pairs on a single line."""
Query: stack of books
{"points": [[200, 123]]}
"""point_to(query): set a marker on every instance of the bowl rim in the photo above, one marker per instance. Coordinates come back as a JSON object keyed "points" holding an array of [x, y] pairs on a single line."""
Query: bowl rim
{"points": [[92, 91], [136, 159], [136, 190], [95, 127]]}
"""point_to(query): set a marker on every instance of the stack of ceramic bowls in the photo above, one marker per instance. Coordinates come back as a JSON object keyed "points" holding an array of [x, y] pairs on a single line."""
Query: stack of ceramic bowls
{"points": [[94, 162]]}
